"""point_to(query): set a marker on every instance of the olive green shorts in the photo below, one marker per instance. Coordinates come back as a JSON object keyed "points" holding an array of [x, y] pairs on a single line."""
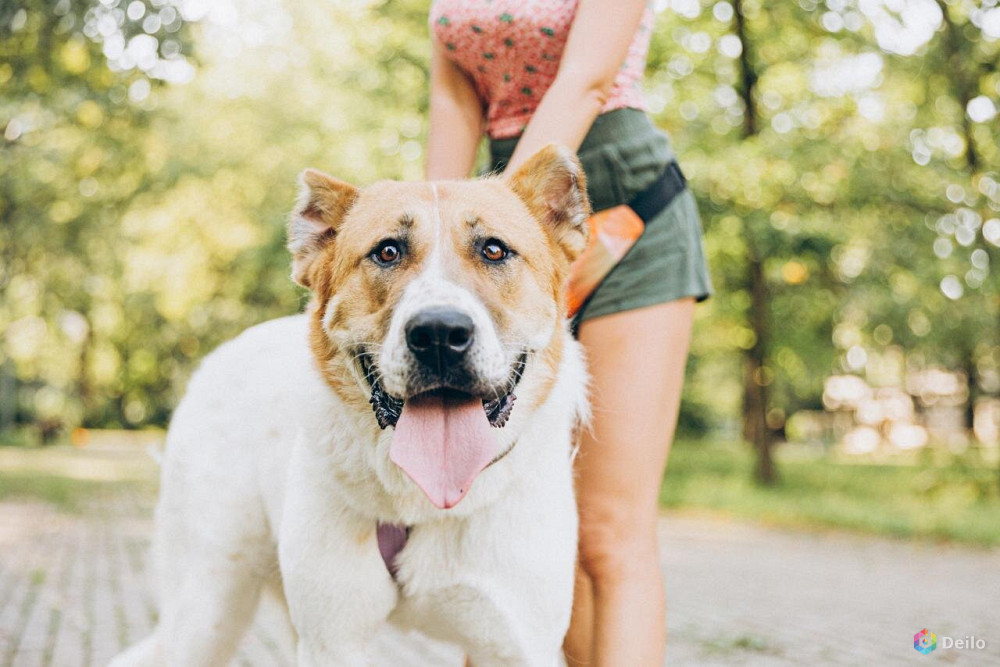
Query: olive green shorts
{"points": [[622, 155]]}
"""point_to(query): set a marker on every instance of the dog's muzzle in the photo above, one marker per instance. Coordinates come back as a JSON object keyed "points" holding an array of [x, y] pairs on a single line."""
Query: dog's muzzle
{"points": [[442, 426], [388, 408]]}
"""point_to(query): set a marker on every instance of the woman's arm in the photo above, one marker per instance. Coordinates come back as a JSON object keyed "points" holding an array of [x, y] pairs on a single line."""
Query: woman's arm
{"points": [[596, 47], [456, 123]]}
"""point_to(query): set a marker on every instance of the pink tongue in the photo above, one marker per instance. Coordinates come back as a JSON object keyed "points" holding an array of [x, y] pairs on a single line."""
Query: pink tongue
{"points": [[443, 443]]}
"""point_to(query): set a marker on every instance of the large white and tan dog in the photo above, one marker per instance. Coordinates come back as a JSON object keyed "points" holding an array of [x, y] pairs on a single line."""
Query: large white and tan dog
{"points": [[390, 402]]}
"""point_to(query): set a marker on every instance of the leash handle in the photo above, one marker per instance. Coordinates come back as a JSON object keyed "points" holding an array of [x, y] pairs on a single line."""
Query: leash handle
{"points": [[613, 232]]}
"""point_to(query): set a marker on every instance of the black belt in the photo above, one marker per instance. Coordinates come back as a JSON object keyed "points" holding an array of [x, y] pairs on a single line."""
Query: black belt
{"points": [[651, 201]]}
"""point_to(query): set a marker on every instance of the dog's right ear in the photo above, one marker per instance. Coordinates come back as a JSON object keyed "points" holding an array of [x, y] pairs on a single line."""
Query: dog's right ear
{"points": [[322, 204], [554, 187]]}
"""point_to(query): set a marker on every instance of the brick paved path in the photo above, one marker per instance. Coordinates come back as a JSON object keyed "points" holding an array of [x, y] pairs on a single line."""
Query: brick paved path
{"points": [[73, 591]]}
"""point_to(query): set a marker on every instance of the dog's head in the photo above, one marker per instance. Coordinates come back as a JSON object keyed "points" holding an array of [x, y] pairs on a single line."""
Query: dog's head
{"points": [[440, 303]]}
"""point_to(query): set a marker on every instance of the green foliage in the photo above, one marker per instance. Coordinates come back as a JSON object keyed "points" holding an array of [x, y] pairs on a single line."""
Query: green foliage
{"points": [[953, 499], [856, 192], [74, 156]]}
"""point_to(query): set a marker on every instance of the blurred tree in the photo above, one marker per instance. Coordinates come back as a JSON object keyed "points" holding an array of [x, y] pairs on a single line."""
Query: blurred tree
{"points": [[79, 81], [969, 63], [805, 129], [944, 304]]}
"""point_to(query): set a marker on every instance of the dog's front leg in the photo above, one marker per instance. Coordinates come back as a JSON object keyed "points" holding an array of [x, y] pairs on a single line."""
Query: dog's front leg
{"points": [[338, 589]]}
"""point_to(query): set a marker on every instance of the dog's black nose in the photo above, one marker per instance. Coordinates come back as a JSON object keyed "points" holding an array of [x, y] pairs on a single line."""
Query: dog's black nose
{"points": [[439, 337]]}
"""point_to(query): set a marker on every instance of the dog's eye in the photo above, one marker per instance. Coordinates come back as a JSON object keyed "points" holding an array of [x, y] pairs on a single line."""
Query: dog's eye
{"points": [[494, 251], [387, 252]]}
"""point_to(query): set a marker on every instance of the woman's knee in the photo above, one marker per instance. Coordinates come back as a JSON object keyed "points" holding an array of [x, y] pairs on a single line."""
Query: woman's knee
{"points": [[615, 545]]}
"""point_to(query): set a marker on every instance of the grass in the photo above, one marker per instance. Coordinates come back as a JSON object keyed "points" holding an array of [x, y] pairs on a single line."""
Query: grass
{"points": [[743, 643], [74, 480], [66, 494], [933, 495]]}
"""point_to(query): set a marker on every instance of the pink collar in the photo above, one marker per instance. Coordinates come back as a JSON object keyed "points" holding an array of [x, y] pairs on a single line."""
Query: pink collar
{"points": [[391, 540]]}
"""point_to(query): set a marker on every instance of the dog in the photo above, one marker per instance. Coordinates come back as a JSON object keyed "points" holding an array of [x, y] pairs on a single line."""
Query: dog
{"points": [[430, 391]]}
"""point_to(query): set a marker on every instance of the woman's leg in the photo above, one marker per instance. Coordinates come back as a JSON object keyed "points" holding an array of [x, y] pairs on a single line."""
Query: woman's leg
{"points": [[636, 361]]}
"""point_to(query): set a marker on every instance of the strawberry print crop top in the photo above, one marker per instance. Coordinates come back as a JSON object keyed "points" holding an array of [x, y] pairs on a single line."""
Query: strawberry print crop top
{"points": [[511, 51]]}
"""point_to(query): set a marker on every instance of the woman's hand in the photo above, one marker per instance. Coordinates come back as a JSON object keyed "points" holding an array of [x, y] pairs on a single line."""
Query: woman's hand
{"points": [[596, 47], [456, 120]]}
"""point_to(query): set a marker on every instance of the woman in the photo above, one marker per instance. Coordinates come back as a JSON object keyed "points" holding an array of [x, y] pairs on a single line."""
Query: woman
{"points": [[568, 71]]}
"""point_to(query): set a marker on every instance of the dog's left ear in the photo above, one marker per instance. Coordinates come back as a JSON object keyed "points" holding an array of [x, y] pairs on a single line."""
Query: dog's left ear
{"points": [[322, 204], [554, 187]]}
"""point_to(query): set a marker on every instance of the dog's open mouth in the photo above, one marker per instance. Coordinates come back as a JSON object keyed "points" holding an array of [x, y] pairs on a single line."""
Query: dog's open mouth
{"points": [[443, 437], [388, 408]]}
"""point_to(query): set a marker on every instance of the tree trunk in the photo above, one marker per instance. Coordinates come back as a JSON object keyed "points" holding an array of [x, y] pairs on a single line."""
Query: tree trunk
{"points": [[8, 396], [963, 82], [756, 379], [972, 384], [963, 77], [748, 74]]}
